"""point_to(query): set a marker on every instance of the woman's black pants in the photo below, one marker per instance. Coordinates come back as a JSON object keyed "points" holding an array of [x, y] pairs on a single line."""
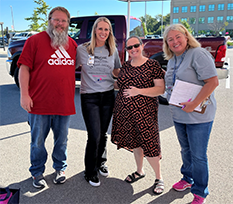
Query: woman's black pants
{"points": [[97, 111]]}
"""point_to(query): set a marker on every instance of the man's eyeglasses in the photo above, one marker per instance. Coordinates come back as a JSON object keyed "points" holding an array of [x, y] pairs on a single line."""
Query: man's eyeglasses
{"points": [[59, 21], [131, 46]]}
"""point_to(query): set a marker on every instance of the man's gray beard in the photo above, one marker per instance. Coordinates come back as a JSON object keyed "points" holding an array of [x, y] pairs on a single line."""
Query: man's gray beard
{"points": [[58, 38]]}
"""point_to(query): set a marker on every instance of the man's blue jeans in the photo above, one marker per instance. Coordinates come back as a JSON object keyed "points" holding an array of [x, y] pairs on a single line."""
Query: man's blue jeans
{"points": [[40, 127], [193, 139]]}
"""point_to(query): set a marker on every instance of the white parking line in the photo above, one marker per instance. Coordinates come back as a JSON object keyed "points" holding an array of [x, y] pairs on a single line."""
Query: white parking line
{"points": [[228, 79]]}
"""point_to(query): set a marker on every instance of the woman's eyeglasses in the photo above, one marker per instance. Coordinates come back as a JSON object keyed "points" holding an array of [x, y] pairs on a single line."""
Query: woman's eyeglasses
{"points": [[131, 46]]}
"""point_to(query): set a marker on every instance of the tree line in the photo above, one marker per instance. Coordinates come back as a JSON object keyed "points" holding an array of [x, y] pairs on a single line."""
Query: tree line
{"points": [[154, 25], [39, 19]]}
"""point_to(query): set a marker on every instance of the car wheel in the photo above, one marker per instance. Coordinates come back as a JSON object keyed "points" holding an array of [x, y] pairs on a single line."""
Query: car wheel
{"points": [[16, 76]]}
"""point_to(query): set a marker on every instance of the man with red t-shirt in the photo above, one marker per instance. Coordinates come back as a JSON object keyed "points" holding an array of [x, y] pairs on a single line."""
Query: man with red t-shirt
{"points": [[47, 84]]}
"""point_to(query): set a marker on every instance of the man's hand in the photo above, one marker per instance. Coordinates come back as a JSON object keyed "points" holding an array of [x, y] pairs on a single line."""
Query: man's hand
{"points": [[26, 103]]}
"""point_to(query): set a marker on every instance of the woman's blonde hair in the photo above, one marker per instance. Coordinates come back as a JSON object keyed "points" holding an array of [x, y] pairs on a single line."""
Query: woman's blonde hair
{"points": [[191, 42], [110, 42]]}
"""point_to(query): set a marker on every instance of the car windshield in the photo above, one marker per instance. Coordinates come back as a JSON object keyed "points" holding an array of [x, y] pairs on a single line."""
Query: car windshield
{"points": [[17, 35], [24, 34]]}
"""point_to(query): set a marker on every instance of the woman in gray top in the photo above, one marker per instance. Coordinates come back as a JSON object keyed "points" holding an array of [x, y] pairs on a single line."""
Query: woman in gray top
{"points": [[191, 63], [99, 60]]}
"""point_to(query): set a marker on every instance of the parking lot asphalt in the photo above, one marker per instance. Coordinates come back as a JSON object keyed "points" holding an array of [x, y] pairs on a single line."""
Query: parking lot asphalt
{"points": [[15, 150]]}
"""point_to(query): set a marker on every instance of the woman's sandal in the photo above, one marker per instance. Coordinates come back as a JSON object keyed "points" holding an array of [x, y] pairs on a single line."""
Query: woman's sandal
{"points": [[134, 177], [158, 186]]}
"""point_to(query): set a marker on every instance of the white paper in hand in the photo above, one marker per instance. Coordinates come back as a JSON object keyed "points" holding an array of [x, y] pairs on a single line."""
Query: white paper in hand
{"points": [[184, 91]]}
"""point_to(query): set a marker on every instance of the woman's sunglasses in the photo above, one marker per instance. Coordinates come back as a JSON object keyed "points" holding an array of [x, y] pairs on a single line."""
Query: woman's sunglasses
{"points": [[131, 46]]}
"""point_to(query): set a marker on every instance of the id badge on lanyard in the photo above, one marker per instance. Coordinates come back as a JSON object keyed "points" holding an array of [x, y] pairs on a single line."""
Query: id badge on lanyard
{"points": [[90, 60], [177, 67]]}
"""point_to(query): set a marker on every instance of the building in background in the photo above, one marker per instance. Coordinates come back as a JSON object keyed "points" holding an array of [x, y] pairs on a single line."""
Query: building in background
{"points": [[205, 16]]}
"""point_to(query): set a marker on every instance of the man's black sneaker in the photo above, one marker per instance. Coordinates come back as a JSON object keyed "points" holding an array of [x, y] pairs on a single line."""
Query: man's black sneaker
{"points": [[60, 177], [39, 182]]}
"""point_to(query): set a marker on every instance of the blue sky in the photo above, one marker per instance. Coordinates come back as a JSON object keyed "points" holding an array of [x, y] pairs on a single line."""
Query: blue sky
{"points": [[24, 8]]}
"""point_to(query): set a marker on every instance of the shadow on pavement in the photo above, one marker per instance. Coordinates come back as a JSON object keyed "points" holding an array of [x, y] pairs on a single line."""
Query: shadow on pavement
{"points": [[17, 135], [170, 196], [3, 55], [11, 112], [77, 190]]}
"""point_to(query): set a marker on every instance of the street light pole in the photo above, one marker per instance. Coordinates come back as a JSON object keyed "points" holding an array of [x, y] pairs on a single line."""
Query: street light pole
{"points": [[145, 14], [162, 21], [13, 26], [3, 41]]}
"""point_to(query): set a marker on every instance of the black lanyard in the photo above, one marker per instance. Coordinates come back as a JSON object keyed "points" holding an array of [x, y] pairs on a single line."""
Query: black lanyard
{"points": [[176, 67]]}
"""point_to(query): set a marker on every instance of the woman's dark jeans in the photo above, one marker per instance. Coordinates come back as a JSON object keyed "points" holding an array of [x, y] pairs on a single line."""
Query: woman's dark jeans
{"points": [[97, 112]]}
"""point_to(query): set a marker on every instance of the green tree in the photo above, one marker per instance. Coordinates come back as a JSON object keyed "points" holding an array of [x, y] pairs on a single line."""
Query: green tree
{"points": [[218, 27], [136, 31], [34, 25], [39, 16], [150, 23], [186, 25], [144, 28], [166, 21], [153, 25]]}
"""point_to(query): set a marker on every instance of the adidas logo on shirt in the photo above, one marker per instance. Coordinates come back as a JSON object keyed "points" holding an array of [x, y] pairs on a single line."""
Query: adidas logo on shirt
{"points": [[60, 57]]}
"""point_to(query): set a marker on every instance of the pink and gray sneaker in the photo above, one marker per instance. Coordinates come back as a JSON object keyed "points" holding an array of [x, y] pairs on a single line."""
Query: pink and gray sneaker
{"points": [[181, 185], [198, 199]]}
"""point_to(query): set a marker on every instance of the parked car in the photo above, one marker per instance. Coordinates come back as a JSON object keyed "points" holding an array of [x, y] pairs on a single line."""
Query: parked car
{"points": [[150, 36], [16, 36], [153, 36], [5, 40], [157, 36], [23, 35]]}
